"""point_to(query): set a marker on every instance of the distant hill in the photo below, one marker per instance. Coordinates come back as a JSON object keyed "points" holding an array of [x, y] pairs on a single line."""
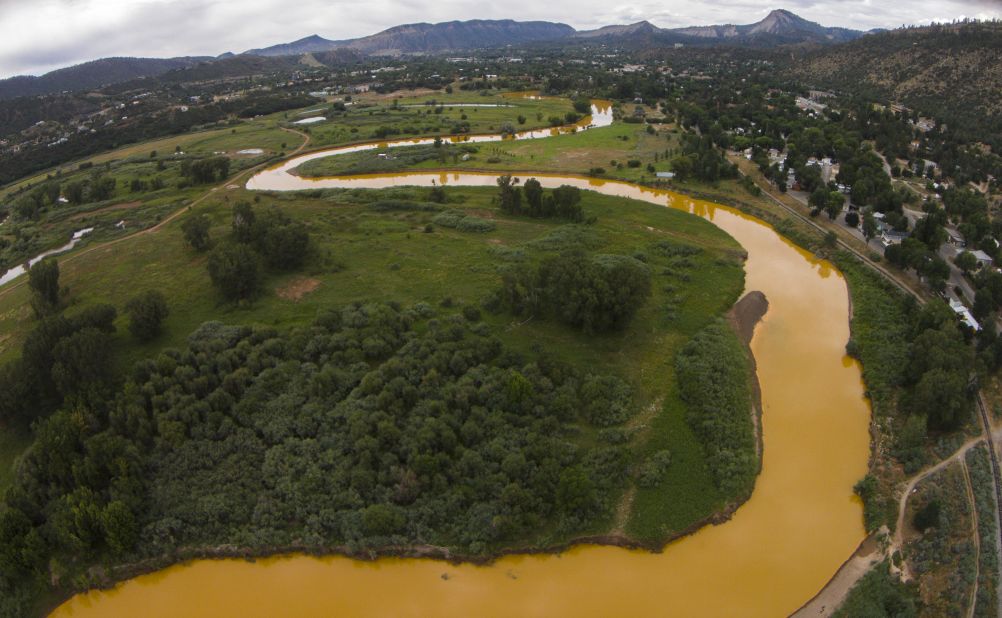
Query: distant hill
{"points": [[91, 75], [780, 27], [431, 38], [639, 28], [308, 45], [954, 71]]}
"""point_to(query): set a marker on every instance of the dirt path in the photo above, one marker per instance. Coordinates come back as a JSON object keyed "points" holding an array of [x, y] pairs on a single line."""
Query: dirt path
{"points": [[876, 548], [974, 535], [69, 257], [639, 425], [897, 541]]}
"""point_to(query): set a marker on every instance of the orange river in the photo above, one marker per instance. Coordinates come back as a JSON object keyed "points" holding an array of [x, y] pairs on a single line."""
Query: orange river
{"points": [[778, 550]]}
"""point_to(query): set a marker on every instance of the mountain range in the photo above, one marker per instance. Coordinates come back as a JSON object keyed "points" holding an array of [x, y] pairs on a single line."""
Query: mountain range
{"points": [[430, 38], [780, 27]]}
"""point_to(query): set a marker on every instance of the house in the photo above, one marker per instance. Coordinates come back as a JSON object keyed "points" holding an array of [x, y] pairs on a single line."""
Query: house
{"points": [[665, 175], [983, 258], [964, 314], [956, 239], [890, 237]]}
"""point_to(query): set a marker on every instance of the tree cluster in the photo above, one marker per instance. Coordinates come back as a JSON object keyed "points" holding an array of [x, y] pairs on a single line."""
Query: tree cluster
{"points": [[359, 430], [532, 200], [595, 293], [204, 171]]}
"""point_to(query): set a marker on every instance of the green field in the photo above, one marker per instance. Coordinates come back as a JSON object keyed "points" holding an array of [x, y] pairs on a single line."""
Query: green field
{"points": [[361, 120], [610, 148]]}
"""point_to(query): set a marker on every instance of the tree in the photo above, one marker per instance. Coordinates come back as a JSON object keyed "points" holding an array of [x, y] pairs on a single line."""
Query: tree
{"points": [[852, 219], [818, 200], [74, 192], [284, 243], [966, 261], [43, 279], [235, 270], [869, 226], [509, 195], [196, 232], [833, 205], [146, 314], [576, 493], [534, 197], [244, 222], [927, 516], [941, 396], [121, 531], [382, 519], [81, 361]]}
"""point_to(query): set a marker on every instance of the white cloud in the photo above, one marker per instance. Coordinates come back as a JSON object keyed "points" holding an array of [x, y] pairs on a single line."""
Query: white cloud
{"points": [[39, 35]]}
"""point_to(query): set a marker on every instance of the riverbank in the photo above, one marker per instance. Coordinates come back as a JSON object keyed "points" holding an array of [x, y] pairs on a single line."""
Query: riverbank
{"points": [[744, 317]]}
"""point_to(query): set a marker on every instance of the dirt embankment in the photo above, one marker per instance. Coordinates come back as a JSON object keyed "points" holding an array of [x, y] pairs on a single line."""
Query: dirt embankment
{"points": [[743, 317], [746, 313]]}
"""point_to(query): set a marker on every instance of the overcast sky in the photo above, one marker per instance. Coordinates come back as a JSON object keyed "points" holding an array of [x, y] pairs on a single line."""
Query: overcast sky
{"points": [[39, 35]]}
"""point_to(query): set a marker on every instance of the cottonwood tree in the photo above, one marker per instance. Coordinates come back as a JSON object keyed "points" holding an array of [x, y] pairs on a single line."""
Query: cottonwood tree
{"points": [[146, 314], [43, 279], [196, 232], [235, 270]]}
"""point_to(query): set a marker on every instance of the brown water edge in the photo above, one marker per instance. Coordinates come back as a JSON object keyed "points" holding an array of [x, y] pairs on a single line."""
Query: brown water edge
{"points": [[779, 549]]}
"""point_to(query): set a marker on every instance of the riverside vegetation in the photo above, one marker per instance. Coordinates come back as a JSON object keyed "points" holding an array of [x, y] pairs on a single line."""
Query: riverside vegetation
{"points": [[382, 409]]}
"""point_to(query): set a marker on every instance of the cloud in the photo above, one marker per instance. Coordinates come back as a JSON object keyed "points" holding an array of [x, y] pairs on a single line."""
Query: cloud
{"points": [[39, 35]]}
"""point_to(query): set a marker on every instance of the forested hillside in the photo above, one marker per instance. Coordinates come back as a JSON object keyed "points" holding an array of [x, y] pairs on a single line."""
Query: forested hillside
{"points": [[952, 71]]}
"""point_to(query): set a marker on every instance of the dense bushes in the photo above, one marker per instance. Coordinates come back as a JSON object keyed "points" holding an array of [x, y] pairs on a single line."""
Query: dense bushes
{"points": [[595, 293], [61, 359], [358, 430], [202, 171], [463, 222], [713, 375]]}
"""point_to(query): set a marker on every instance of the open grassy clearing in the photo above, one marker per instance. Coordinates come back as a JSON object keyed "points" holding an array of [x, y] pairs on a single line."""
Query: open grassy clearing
{"points": [[364, 254], [369, 118], [610, 148]]}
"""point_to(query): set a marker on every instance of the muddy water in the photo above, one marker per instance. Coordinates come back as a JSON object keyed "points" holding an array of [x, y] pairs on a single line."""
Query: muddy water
{"points": [[779, 549]]}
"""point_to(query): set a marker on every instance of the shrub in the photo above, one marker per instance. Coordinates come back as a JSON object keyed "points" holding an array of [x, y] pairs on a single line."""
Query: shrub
{"points": [[653, 470], [464, 223], [146, 314], [196, 232]]}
